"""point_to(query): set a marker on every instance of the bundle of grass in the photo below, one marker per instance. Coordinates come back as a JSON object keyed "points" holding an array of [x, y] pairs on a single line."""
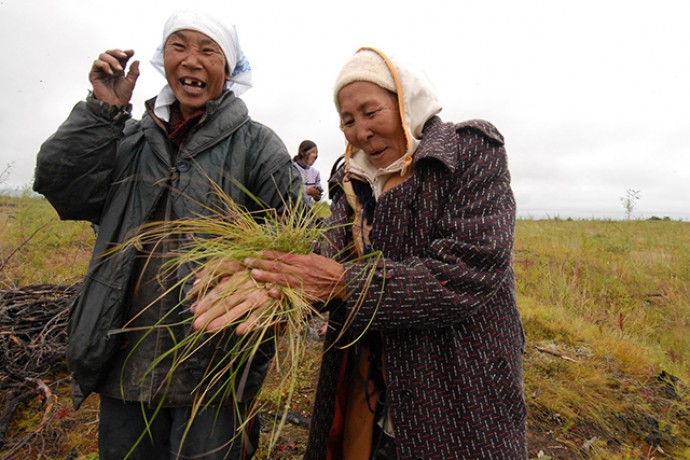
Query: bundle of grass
{"points": [[213, 242]]}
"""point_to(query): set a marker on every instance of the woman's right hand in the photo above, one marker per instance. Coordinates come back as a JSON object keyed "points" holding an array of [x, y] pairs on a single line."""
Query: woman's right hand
{"points": [[108, 79], [320, 278]]}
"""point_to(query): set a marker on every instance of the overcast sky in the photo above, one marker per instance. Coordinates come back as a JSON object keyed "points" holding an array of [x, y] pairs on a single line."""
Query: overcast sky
{"points": [[592, 96]]}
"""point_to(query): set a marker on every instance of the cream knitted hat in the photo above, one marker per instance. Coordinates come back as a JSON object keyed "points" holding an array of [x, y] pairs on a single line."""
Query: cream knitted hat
{"points": [[365, 65]]}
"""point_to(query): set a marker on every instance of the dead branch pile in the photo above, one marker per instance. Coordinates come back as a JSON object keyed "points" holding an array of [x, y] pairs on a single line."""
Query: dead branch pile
{"points": [[33, 336]]}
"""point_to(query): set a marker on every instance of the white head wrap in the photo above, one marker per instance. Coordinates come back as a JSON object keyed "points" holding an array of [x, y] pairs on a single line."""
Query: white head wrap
{"points": [[224, 35], [417, 102]]}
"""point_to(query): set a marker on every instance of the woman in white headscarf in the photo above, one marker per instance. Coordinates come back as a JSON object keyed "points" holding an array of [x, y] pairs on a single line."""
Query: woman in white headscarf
{"points": [[436, 370], [119, 173], [238, 70]]}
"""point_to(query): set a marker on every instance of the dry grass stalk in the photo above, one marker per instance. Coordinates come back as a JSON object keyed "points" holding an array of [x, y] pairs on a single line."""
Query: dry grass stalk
{"points": [[234, 234]]}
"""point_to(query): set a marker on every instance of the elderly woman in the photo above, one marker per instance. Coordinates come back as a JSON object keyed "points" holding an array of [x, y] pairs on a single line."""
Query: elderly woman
{"points": [[436, 370], [120, 173]]}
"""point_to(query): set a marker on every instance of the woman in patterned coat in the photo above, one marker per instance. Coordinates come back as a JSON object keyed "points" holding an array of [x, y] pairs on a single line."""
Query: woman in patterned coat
{"points": [[436, 370]]}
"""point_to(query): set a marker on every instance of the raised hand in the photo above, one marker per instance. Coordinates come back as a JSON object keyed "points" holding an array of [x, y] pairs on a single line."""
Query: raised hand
{"points": [[108, 79]]}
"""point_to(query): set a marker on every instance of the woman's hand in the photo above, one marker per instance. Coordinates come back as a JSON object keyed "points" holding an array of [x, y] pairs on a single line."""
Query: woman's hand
{"points": [[108, 78], [314, 192], [321, 278], [232, 298], [224, 292], [212, 272]]}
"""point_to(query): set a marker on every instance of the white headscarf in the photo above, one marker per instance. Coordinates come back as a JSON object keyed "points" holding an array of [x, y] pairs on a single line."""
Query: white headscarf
{"points": [[417, 101], [224, 35]]}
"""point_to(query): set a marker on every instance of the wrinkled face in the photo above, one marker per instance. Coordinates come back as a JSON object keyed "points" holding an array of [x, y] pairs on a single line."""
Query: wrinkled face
{"points": [[310, 156], [194, 68], [370, 119]]}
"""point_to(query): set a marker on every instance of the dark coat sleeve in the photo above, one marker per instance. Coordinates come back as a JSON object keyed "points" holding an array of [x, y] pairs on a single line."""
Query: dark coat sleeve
{"points": [[74, 165]]}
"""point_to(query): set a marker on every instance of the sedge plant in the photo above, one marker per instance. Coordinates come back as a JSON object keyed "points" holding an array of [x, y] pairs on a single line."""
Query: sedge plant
{"points": [[211, 240]]}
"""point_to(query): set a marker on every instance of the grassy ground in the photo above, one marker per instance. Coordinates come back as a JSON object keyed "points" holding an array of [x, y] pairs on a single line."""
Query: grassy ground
{"points": [[605, 305]]}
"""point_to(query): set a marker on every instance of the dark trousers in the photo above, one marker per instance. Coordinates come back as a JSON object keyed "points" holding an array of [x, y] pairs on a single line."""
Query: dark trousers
{"points": [[122, 433]]}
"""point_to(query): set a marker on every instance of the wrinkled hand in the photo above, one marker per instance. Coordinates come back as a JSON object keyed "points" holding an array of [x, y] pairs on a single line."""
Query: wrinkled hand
{"points": [[212, 272], [108, 79], [321, 278], [230, 299]]}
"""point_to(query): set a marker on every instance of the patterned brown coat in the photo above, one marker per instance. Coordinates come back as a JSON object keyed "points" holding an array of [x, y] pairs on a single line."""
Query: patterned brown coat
{"points": [[443, 302]]}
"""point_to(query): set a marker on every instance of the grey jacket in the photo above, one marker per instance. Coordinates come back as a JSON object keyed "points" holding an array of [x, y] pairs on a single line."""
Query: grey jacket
{"points": [[101, 166]]}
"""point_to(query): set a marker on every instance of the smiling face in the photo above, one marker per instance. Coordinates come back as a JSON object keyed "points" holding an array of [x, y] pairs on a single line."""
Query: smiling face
{"points": [[371, 121], [194, 68]]}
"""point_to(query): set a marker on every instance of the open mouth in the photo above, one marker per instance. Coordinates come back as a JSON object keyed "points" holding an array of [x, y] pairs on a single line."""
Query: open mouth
{"points": [[377, 153], [191, 83]]}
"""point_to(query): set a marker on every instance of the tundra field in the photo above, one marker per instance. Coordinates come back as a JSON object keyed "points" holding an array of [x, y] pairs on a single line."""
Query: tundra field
{"points": [[605, 305]]}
